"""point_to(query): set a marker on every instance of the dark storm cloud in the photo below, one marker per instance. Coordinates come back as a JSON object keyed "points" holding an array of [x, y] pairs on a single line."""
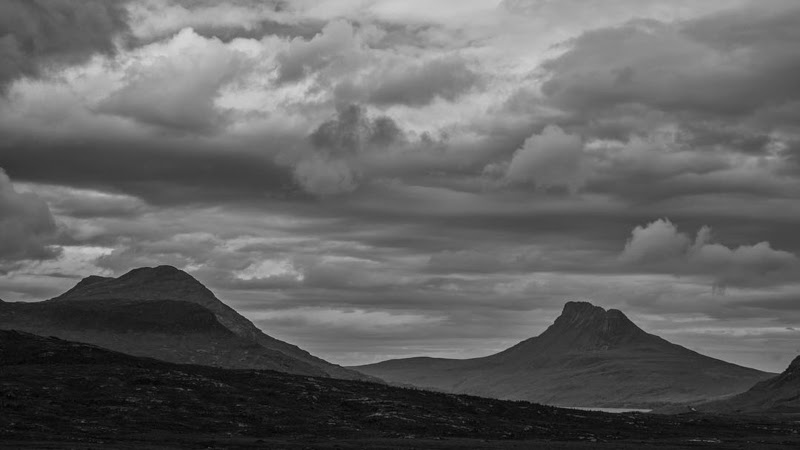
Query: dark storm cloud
{"points": [[37, 33], [353, 131], [26, 225], [333, 165], [159, 172]]}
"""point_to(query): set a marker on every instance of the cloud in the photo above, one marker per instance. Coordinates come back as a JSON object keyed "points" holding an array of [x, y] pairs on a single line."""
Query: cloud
{"points": [[332, 165], [152, 20], [37, 33], [412, 84], [655, 242], [175, 84], [352, 131], [552, 158], [187, 172], [660, 246], [202, 147], [730, 64], [357, 319], [336, 45], [26, 225], [323, 177], [468, 261], [612, 11]]}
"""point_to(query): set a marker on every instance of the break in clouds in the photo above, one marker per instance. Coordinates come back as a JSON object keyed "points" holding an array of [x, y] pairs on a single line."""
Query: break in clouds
{"points": [[414, 179]]}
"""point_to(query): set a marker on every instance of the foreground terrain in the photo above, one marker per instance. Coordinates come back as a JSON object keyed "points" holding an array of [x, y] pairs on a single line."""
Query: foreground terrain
{"points": [[587, 357], [61, 394]]}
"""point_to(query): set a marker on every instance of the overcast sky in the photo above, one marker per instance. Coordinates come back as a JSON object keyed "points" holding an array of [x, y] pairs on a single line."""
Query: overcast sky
{"points": [[388, 178]]}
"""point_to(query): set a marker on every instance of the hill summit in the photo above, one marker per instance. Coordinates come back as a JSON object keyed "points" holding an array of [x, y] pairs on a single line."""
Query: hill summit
{"points": [[588, 357]]}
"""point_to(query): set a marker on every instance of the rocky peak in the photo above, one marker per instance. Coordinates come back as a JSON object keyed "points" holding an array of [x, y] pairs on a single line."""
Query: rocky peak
{"points": [[576, 313], [588, 326], [581, 314]]}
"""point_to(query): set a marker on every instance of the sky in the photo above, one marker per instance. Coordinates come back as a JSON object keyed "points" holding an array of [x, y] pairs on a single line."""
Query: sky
{"points": [[383, 179]]}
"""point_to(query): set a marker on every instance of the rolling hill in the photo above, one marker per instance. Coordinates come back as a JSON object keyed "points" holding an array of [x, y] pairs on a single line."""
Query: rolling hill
{"points": [[164, 313], [588, 357]]}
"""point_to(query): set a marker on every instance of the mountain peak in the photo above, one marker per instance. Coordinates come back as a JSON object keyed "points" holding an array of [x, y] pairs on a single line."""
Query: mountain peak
{"points": [[583, 313], [576, 311], [144, 283], [160, 272], [587, 326]]}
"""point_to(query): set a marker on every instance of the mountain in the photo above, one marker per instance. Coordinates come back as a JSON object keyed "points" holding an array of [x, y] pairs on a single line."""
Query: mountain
{"points": [[165, 313], [588, 357], [60, 394], [780, 394]]}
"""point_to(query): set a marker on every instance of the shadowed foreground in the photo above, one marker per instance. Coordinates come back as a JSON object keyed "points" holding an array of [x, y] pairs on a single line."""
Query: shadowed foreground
{"points": [[60, 394]]}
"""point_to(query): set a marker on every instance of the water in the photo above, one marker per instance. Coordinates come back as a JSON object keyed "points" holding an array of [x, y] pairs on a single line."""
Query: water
{"points": [[609, 410]]}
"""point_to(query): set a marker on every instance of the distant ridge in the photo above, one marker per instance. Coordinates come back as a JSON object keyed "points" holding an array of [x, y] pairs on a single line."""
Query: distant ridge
{"points": [[589, 357], [780, 394], [165, 313]]}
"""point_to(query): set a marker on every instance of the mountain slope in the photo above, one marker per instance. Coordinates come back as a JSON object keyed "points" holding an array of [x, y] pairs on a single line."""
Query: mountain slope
{"points": [[164, 313], [587, 357], [780, 394], [60, 394]]}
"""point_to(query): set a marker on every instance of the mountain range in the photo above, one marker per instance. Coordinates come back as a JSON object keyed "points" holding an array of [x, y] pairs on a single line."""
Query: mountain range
{"points": [[165, 313], [588, 357]]}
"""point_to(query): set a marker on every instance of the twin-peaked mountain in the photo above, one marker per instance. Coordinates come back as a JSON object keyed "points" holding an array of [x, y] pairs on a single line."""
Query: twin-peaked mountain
{"points": [[164, 313], [588, 357]]}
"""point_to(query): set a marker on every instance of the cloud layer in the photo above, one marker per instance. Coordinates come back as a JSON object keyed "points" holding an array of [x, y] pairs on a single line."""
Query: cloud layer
{"points": [[26, 225], [448, 171]]}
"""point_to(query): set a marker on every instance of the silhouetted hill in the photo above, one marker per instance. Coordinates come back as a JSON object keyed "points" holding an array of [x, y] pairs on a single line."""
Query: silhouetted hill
{"points": [[780, 394], [587, 357], [61, 394], [165, 313]]}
